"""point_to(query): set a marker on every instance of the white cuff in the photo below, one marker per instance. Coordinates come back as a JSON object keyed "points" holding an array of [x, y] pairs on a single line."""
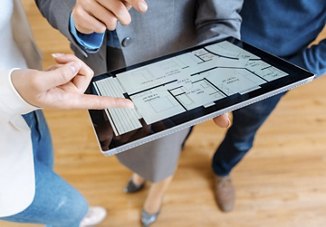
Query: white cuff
{"points": [[11, 103]]}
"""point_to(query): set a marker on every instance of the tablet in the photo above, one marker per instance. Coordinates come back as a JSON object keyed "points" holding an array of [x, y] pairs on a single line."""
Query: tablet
{"points": [[182, 89]]}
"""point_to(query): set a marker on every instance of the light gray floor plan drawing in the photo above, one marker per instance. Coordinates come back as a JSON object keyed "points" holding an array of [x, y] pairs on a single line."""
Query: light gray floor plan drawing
{"points": [[178, 84]]}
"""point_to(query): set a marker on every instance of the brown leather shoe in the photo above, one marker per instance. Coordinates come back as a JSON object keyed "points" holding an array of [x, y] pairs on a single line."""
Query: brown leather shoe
{"points": [[224, 193]]}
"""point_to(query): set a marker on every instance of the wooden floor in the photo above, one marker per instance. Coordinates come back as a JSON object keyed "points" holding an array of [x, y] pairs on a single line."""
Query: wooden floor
{"points": [[282, 182]]}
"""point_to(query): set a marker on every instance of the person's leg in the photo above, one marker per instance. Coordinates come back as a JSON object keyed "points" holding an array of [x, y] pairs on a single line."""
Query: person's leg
{"points": [[56, 203], [42, 141], [155, 195], [155, 162], [154, 200], [240, 136], [237, 142]]}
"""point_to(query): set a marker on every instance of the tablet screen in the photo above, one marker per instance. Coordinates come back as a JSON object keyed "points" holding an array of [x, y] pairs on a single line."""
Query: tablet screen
{"points": [[173, 92]]}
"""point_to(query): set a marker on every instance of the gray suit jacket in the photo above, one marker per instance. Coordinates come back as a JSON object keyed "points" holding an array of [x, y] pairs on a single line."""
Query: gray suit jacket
{"points": [[167, 26]]}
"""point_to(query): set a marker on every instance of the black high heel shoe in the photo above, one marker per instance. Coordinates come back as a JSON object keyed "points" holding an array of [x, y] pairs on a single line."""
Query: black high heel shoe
{"points": [[147, 219], [131, 187]]}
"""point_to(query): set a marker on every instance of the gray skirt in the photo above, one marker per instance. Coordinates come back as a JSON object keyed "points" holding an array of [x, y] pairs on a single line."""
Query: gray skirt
{"points": [[156, 160]]}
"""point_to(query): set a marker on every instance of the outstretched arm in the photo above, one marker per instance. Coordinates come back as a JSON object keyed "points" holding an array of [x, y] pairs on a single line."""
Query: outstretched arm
{"points": [[62, 87]]}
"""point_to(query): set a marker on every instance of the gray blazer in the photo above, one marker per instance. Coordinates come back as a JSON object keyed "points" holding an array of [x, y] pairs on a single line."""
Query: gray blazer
{"points": [[167, 26]]}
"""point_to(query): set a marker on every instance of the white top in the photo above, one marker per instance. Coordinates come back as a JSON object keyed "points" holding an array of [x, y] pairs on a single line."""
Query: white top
{"points": [[10, 55], [17, 183]]}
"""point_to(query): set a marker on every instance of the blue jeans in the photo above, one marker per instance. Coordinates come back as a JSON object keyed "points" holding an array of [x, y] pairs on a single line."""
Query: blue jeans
{"points": [[240, 137], [56, 203]]}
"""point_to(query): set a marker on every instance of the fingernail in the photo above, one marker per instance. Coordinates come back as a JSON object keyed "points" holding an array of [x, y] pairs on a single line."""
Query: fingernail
{"points": [[126, 103], [143, 6], [129, 104], [56, 55]]}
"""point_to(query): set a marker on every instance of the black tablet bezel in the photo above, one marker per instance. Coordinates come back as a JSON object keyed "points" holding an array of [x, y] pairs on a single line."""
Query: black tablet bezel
{"points": [[111, 144]]}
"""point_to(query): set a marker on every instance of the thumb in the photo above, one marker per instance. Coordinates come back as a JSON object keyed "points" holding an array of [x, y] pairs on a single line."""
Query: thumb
{"points": [[61, 75], [223, 121]]}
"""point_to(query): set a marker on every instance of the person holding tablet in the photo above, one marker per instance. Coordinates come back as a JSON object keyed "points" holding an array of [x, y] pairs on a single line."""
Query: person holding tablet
{"points": [[284, 28], [30, 191], [110, 34]]}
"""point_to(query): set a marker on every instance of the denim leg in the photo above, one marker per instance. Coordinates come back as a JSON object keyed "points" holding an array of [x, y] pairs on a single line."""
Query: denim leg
{"points": [[43, 149], [41, 138], [56, 203], [240, 137]]}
